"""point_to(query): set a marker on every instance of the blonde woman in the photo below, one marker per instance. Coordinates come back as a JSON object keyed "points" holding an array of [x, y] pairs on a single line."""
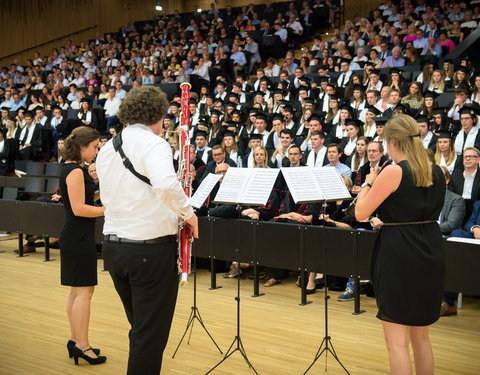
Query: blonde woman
{"points": [[408, 198], [260, 157], [437, 83], [445, 156]]}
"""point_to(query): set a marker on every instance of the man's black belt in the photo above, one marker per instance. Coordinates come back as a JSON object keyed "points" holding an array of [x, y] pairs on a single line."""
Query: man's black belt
{"points": [[112, 238]]}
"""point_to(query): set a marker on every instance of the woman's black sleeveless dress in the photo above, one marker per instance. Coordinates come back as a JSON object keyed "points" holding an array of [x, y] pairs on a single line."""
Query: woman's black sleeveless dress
{"points": [[77, 240], [408, 262]]}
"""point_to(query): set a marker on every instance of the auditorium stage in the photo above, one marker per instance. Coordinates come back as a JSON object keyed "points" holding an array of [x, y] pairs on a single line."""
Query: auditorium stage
{"points": [[280, 337]]}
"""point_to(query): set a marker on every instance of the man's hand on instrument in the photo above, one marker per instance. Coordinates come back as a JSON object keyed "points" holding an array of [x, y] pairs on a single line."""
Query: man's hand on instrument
{"points": [[193, 224]]}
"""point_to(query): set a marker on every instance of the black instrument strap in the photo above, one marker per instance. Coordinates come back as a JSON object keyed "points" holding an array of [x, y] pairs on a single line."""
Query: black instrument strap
{"points": [[117, 145]]}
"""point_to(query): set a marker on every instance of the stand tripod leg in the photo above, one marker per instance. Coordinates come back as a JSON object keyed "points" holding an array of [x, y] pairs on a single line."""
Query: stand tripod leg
{"points": [[237, 338], [199, 318], [190, 323], [327, 340]]}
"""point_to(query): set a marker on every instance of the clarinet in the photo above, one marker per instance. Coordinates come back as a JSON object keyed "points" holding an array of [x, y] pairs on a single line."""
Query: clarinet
{"points": [[185, 237], [350, 210]]}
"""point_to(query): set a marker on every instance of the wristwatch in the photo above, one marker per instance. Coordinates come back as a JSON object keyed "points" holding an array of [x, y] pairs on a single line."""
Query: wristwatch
{"points": [[366, 184]]}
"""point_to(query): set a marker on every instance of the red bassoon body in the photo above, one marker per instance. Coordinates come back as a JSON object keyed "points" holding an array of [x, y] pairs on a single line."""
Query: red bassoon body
{"points": [[185, 176]]}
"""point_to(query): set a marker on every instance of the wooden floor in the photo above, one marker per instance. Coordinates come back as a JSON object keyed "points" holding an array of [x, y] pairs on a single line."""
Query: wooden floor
{"points": [[280, 336]]}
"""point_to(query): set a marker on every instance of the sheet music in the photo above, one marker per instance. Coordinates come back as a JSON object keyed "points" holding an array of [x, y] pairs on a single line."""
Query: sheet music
{"points": [[331, 183], [259, 186], [233, 185], [303, 184], [204, 190]]}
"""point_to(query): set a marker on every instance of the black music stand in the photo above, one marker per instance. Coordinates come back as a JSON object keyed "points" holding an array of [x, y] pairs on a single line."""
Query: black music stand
{"points": [[195, 313], [237, 340], [326, 346]]}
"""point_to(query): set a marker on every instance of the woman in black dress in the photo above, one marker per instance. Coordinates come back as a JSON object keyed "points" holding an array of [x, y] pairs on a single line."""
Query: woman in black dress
{"points": [[408, 264], [77, 240]]}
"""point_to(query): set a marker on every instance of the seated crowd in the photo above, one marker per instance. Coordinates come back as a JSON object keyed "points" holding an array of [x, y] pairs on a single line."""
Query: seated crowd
{"points": [[322, 106]]}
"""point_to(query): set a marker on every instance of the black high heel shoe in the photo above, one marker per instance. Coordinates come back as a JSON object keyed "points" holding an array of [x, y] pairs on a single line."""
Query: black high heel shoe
{"points": [[79, 353], [71, 345]]}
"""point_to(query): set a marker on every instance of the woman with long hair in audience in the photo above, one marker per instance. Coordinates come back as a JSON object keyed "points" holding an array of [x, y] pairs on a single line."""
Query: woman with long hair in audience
{"points": [[429, 104], [329, 62], [369, 127], [304, 64], [408, 198], [359, 156], [349, 141], [216, 129], [333, 117], [231, 148], [357, 102], [437, 83], [440, 121], [355, 79], [46, 98], [448, 70], [35, 102], [86, 115], [396, 81], [426, 73], [62, 102], [414, 98], [445, 155], [11, 129], [77, 240], [476, 88], [461, 76]]}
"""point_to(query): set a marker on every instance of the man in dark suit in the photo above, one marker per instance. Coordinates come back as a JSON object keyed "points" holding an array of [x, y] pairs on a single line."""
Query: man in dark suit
{"points": [[466, 181], [470, 230], [375, 158], [219, 156], [453, 211], [30, 138]]}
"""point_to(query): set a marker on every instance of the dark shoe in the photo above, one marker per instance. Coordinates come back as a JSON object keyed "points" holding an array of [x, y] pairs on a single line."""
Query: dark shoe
{"points": [[310, 291], [28, 248], [320, 283], [79, 353], [271, 282], [71, 345], [346, 296], [447, 310]]}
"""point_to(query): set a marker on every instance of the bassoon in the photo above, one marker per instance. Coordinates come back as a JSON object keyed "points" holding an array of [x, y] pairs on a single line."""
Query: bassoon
{"points": [[185, 236]]}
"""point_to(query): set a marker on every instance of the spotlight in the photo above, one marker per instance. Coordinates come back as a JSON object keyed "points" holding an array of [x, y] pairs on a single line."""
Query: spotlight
{"points": [[199, 10], [159, 8]]}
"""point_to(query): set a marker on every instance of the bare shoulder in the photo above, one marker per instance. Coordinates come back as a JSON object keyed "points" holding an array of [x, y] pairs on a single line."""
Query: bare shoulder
{"points": [[75, 174], [391, 176]]}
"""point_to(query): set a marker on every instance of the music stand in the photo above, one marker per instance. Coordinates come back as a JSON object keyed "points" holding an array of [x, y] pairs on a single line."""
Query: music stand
{"points": [[195, 313], [237, 340], [327, 339]]}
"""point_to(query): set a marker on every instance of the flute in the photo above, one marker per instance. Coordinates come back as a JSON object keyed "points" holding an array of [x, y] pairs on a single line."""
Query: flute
{"points": [[185, 236]]}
